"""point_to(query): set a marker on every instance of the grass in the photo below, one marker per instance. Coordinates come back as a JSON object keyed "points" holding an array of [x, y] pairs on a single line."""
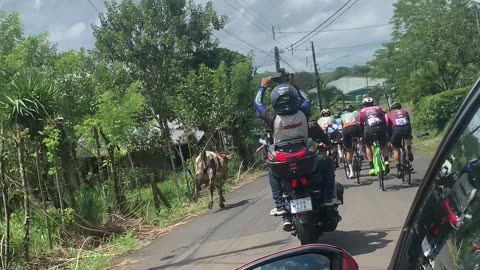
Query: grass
{"points": [[164, 220], [428, 144], [73, 251], [102, 257]]}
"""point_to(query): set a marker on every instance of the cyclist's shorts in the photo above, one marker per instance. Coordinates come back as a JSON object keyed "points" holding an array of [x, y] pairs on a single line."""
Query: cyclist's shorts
{"points": [[372, 133], [397, 135], [349, 133], [335, 135]]}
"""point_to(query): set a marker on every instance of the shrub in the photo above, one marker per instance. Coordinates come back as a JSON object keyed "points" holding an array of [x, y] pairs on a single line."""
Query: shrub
{"points": [[434, 113], [92, 204]]}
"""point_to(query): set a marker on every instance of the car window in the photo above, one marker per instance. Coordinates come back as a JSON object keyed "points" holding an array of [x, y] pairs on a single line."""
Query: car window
{"points": [[446, 234]]}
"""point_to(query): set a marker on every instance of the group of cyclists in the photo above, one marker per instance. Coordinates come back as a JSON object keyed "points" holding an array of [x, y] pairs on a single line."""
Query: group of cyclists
{"points": [[289, 120], [366, 126]]}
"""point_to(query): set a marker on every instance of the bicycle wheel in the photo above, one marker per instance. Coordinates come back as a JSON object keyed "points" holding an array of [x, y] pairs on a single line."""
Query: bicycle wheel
{"points": [[375, 163], [379, 165], [345, 164], [407, 169], [402, 161], [357, 167], [356, 162]]}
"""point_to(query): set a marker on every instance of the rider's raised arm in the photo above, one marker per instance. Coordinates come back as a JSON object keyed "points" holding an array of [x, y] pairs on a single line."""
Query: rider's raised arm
{"points": [[262, 111], [258, 103], [306, 103]]}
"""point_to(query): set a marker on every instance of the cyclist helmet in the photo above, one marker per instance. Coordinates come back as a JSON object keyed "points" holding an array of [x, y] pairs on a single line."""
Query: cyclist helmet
{"points": [[325, 112], [285, 99], [396, 106], [348, 108], [367, 102]]}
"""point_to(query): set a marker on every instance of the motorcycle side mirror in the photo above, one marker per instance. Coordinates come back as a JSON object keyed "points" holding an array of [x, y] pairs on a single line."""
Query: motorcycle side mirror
{"points": [[314, 257]]}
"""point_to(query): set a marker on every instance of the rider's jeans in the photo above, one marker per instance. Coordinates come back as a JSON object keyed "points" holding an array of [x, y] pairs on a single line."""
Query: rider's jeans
{"points": [[324, 175]]}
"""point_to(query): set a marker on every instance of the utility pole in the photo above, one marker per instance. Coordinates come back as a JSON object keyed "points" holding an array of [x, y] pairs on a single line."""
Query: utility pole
{"points": [[277, 59], [317, 77], [273, 32]]}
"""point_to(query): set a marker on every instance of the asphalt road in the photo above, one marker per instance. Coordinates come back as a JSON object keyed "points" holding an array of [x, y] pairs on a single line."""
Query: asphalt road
{"points": [[224, 239]]}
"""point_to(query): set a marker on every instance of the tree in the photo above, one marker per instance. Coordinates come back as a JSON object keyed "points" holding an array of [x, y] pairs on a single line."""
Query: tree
{"points": [[27, 104], [157, 53], [114, 119], [434, 44]]}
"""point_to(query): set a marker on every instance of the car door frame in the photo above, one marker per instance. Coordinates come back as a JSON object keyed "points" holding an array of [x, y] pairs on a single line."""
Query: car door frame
{"points": [[460, 122]]}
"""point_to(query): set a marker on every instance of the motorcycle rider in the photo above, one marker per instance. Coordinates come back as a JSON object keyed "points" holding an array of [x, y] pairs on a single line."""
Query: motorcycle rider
{"points": [[398, 123], [373, 123], [351, 129], [289, 121]]}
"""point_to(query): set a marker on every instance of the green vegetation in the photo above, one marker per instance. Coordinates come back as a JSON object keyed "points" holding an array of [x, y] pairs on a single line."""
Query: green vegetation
{"points": [[434, 48], [73, 124], [434, 113]]}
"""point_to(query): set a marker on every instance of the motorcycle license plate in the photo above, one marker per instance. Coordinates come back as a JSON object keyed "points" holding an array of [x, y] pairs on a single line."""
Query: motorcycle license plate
{"points": [[301, 205], [426, 247]]}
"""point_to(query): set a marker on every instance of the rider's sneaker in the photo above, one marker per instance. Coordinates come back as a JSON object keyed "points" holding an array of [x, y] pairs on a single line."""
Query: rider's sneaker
{"points": [[332, 202], [399, 174], [278, 212], [387, 167], [351, 175], [287, 226], [372, 172], [410, 156]]}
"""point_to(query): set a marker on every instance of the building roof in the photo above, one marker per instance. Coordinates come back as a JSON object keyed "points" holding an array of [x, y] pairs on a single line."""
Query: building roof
{"points": [[351, 84], [177, 132]]}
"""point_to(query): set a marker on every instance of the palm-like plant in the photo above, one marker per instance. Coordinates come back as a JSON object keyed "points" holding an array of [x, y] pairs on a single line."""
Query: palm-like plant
{"points": [[26, 105]]}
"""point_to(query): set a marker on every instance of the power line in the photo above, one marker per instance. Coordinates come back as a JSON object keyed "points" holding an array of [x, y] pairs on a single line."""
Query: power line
{"points": [[246, 17], [245, 42], [332, 21], [336, 30], [285, 62], [266, 59], [334, 61], [347, 47], [89, 1], [233, 46], [251, 14], [323, 23]]}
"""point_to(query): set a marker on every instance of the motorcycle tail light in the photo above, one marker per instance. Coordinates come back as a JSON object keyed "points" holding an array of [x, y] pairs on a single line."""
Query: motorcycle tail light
{"points": [[282, 157], [304, 181], [294, 183]]}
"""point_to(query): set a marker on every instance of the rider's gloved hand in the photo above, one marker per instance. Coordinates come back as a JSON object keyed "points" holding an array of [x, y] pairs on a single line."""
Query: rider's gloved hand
{"points": [[266, 81]]}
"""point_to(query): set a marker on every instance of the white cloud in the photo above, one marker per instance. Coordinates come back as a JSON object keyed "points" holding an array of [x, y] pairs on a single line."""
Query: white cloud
{"points": [[68, 23], [76, 30], [37, 4]]}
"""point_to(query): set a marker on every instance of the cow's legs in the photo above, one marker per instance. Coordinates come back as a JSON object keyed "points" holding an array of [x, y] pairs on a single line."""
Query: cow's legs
{"points": [[221, 199], [210, 204]]}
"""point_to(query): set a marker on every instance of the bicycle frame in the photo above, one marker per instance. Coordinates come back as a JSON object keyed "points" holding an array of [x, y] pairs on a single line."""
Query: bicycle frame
{"points": [[377, 157]]}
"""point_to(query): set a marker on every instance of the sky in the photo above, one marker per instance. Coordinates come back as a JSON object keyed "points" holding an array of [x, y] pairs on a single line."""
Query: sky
{"points": [[69, 22]]}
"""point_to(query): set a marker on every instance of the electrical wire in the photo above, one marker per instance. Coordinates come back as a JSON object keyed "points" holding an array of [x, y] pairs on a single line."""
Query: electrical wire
{"points": [[323, 23], [336, 30], [245, 42]]}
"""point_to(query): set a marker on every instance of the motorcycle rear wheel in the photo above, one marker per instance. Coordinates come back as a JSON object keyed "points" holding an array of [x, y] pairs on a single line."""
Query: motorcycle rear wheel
{"points": [[306, 233]]}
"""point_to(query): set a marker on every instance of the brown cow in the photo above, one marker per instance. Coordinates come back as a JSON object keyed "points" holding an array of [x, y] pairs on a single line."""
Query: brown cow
{"points": [[211, 170]]}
